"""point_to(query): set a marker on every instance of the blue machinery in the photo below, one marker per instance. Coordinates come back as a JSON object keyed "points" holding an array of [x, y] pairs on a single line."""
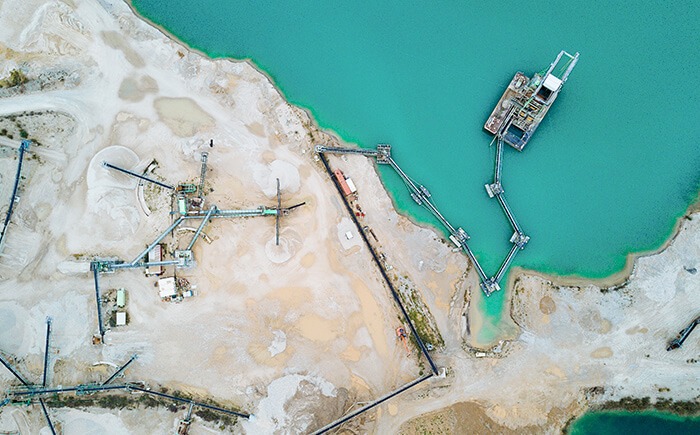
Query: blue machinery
{"points": [[459, 237]]}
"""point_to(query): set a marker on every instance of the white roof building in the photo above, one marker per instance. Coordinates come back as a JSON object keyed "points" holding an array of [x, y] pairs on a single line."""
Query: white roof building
{"points": [[351, 185], [121, 318], [166, 287], [552, 83]]}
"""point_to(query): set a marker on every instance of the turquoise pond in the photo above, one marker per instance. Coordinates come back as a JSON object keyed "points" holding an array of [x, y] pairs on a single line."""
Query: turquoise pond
{"points": [[623, 423], [610, 169]]}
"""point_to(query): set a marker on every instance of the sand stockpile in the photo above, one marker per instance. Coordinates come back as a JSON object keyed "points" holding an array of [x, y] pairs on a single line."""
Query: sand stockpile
{"points": [[111, 194], [289, 244]]}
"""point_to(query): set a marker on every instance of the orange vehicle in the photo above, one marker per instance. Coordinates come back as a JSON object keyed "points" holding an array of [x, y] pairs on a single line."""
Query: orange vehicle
{"points": [[401, 334]]}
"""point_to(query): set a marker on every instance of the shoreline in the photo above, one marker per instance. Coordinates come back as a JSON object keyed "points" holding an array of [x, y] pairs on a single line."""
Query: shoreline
{"points": [[610, 282], [670, 410], [616, 279], [620, 277]]}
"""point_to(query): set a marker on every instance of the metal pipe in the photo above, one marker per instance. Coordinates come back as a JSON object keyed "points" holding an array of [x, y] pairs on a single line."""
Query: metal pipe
{"points": [[157, 240], [75, 389], [421, 195], [475, 262], [120, 370], [338, 150], [509, 215], [46, 350], [425, 200], [134, 174], [9, 367], [683, 335], [96, 276], [22, 148], [499, 161], [369, 406], [201, 227], [142, 264], [506, 262], [46, 415], [188, 416], [229, 214], [183, 400]]}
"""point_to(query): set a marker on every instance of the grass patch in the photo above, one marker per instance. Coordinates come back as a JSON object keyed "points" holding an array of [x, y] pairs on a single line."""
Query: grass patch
{"points": [[16, 78]]}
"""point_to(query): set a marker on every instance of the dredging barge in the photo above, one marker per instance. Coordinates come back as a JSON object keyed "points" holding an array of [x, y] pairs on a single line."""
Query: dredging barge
{"points": [[526, 101]]}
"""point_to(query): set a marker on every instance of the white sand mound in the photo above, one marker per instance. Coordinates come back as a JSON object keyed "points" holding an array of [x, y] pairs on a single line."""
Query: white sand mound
{"points": [[110, 192], [279, 343], [266, 177], [289, 242]]}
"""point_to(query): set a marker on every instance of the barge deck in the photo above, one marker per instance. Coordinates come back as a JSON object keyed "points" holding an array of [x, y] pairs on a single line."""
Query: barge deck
{"points": [[526, 101]]}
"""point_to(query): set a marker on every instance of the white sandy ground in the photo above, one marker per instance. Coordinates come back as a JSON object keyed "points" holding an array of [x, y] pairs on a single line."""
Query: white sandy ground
{"points": [[296, 334]]}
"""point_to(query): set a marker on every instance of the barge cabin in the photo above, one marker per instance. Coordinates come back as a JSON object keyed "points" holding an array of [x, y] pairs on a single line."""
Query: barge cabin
{"points": [[527, 100]]}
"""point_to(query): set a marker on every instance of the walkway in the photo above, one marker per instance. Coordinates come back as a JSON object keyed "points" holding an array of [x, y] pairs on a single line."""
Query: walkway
{"points": [[459, 237]]}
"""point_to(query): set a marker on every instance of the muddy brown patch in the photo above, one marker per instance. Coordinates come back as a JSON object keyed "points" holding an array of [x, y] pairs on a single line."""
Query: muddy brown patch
{"points": [[547, 305]]}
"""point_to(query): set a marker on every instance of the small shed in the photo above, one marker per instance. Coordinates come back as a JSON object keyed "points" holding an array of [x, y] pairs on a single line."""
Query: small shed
{"points": [[166, 287], [121, 318], [351, 185], [121, 298], [182, 205], [342, 182]]}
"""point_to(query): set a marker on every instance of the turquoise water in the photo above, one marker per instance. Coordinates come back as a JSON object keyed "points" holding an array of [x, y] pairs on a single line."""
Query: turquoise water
{"points": [[608, 172], [623, 423]]}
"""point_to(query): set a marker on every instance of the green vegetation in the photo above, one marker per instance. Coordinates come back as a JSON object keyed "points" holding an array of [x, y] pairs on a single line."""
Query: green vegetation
{"points": [[223, 420], [16, 78], [424, 329], [417, 313], [121, 401], [689, 407]]}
